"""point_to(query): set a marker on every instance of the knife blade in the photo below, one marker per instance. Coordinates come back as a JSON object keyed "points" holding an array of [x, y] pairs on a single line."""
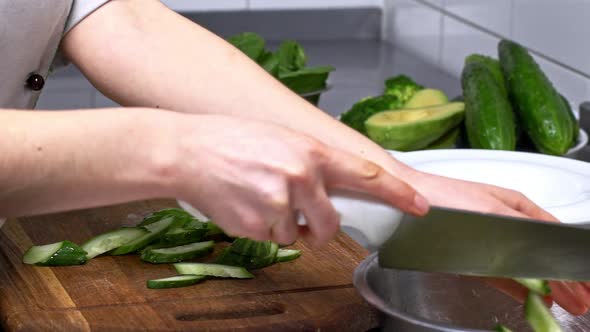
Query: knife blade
{"points": [[471, 243]]}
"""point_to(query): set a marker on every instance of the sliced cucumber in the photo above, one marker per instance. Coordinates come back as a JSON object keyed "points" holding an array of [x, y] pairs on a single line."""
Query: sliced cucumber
{"points": [[111, 240], [214, 270], [286, 255], [175, 282], [538, 315], [213, 229], [165, 213], [55, 254], [177, 254], [538, 286], [193, 231], [502, 328], [156, 230], [249, 253]]}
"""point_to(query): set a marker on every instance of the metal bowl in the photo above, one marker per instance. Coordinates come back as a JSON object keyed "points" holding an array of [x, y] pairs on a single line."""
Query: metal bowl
{"points": [[428, 302]]}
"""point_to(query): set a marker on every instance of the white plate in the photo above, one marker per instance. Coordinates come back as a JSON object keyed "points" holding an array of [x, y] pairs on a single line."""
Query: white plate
{"points": [[559, 185]]}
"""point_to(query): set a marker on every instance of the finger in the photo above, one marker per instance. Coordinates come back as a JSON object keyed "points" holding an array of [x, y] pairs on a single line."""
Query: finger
{"points": [[521, 203], [565, 295], [323, 221], [284, 231], [514, 289], [345, 171]]}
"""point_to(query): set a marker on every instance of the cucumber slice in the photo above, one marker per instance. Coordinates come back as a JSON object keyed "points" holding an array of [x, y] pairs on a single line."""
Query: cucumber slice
{"points": [[214, 270], [502, 328], [177, 254], [249, 253], [156, 230], [165, 213], [108, 241], [189, 233], [538, 286], [213, 229], [286, 255], [538, 315], [55, 254], [175, 282]]}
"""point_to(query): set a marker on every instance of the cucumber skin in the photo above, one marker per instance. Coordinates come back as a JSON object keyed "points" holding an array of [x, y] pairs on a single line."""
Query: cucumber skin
{"points": [[489, 118], [68, 254], [493, 65], [152, 256], [282, 259], [538, 315], [544, 114], [241, 273], [93, 253], [144, 240], [159, 284]]}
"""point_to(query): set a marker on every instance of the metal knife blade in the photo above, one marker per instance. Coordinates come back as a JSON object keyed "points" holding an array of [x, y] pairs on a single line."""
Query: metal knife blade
{"points": [[471, 243]]}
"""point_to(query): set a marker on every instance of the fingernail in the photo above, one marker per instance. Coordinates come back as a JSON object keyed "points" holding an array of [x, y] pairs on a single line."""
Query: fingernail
{"points": [[421, 205]]}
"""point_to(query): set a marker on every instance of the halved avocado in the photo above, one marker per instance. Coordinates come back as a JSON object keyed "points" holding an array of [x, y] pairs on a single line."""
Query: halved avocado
{"points": [[427, 98], [446, 141], [413, 129]]}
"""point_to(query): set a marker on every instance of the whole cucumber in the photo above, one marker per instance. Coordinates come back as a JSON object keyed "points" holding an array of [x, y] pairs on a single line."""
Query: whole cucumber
{"points": [[489, 119], [541, 109]]}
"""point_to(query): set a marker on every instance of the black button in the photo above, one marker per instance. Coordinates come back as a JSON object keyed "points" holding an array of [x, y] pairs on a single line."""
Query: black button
{"points": [[35, 82]]}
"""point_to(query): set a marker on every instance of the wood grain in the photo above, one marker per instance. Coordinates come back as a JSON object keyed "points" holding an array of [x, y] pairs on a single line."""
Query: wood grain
{"points": [[312, 293]]}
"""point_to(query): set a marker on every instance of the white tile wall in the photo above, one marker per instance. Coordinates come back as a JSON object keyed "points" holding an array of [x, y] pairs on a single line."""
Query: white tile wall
{"points": [[206, 5], [460, 40], [414, 27], [493, 15]]}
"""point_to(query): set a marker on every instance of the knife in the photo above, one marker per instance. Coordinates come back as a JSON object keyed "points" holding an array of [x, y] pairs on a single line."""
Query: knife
{"points": [[469, 243]]}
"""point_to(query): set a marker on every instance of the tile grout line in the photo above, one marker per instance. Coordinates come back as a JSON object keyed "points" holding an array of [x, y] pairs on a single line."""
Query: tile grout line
{"points": [[441, 41], [499, 36]]}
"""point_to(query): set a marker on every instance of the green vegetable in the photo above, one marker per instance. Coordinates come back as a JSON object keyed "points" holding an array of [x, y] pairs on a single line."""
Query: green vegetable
{"points": [[214, 270], [408, 130], [102, 243], [55, 254], [446, 141], [192, 231], [543, 112], [307, 79], [538, 316], [287, 255], [270, 62], [427, 98], [177, 254], [156, 231], [291, 57], [367, 107], [249, 254], [175, 282], [489, 118], [538, 286], [502, 328], [576, 124], [249, 43], [165, 213], [493, 66], [402, 87]]}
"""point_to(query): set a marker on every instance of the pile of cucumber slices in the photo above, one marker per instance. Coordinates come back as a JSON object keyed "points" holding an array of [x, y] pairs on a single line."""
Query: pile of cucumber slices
{"points": [[169, 236]]}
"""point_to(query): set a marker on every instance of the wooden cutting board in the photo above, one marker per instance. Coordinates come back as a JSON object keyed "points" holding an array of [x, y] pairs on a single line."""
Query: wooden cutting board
{"points": [[312, 293]]}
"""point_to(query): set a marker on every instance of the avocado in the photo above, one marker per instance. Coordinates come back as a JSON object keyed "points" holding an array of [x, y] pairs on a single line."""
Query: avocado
{"points": [[426, 98], [413, 129], [446, 141]]}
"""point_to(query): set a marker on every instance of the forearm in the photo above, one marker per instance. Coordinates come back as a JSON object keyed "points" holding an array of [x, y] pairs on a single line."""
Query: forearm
{"points": [[53, 161], [155, 58]]}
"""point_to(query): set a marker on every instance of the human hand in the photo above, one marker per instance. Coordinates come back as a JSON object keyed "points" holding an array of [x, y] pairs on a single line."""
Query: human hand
{"points": [[253, 177], [572, 296]]}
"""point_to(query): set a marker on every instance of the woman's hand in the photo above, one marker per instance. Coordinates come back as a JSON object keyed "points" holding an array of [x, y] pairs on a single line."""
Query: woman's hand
{"points": [[572, 296], [252, 178]]}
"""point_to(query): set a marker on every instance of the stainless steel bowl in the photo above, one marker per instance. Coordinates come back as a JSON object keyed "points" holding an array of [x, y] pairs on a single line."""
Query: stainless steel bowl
{"points": [[427, 302]]}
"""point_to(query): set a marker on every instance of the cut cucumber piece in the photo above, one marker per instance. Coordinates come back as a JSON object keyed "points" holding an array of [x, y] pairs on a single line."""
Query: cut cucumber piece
{"points": [[249, 253], [213, 229], [502, 328], [177, 254], [165, 213], [55, 254], [538, 315], [156, 230], [286, 255], [111, 240], [214, 270], [175, 282], [184, 235], [538, 286]]}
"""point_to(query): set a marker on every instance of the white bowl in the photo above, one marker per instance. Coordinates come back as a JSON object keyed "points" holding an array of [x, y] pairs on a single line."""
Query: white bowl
{"points": [[559, 185], [582, 142]]}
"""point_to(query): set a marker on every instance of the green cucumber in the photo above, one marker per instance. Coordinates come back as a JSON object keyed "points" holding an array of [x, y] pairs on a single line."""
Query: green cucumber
{"points": [[214, 270], [175, 282], [575, 123], [102, 243], [177, 254], [165, 213], [493, 65], [489, 117], [287, 255], [249, 253], [501, 328], [192, 231], [538, 315], [156, 231], [55, 254], [538, 286], [543, 113]]}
